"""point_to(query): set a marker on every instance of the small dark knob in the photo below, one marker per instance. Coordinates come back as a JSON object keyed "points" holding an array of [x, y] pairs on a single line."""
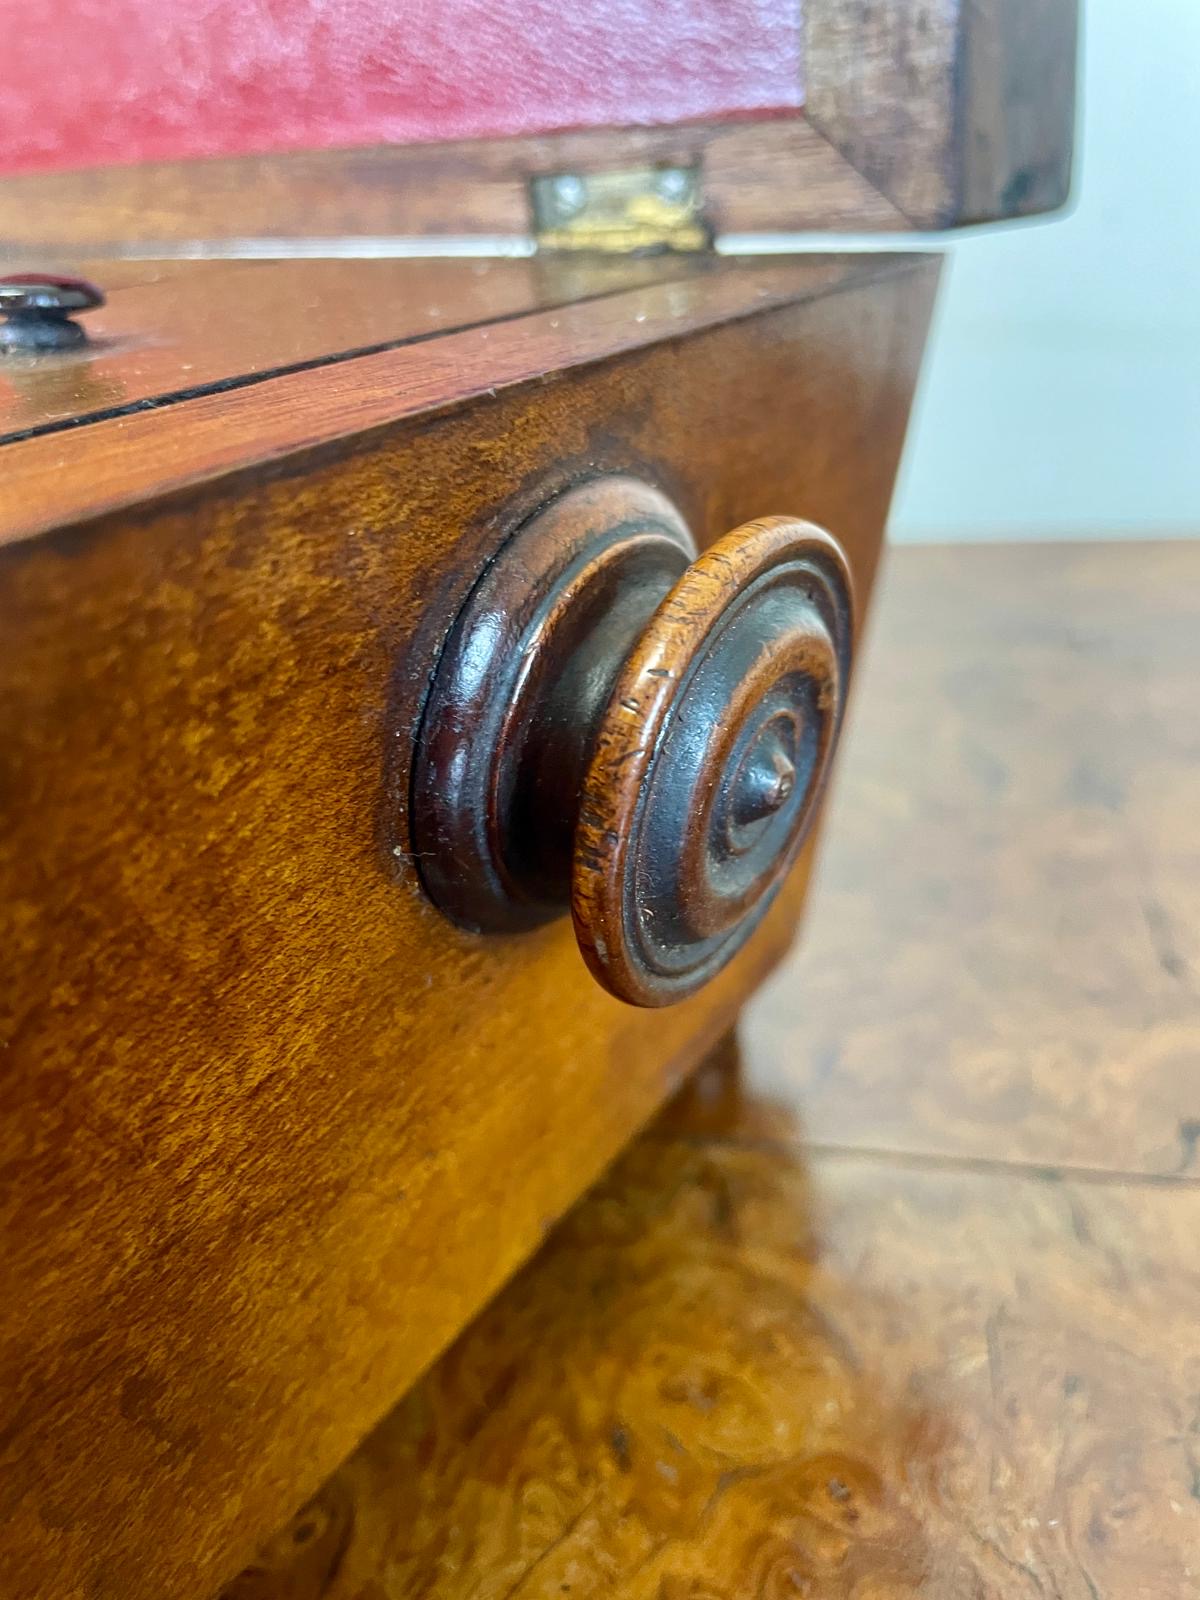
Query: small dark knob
{"points": [[641, 735], [38, 307]]}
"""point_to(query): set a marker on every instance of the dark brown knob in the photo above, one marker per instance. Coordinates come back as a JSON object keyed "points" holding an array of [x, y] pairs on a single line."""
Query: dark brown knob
{"points": [[37, 308], [642, 735]]}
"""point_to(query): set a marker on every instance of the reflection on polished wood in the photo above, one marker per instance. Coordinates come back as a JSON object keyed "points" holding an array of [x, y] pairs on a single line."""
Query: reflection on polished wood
{"points": [[262, 1105], [170, 330], [909, 1304], [1003, 960]]}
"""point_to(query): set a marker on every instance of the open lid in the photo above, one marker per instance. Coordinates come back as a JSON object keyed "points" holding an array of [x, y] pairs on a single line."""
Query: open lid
{"points": [[361, 120]]}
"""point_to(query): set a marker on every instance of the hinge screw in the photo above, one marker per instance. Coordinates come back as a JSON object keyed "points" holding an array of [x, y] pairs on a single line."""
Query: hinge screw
{"points": [[570, 195], [673, 184]]}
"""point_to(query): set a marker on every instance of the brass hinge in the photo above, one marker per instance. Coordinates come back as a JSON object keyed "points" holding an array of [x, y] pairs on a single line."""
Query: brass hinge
{"points": [[640, 209]]}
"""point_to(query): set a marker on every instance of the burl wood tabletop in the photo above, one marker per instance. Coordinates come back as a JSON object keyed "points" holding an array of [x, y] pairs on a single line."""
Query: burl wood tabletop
{"points": [[907, 1301]]}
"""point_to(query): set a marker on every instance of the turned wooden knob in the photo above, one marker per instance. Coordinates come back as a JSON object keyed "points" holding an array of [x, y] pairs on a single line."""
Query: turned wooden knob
{"points": [[620, 725]]}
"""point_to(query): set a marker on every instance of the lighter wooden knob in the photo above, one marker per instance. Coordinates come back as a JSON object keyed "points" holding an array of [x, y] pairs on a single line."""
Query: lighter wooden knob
{"points": [[640, 734], [710, 758]]}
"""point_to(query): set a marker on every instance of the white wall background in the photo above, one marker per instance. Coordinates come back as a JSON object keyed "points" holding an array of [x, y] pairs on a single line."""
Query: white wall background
{"points": [[1061, 394]]}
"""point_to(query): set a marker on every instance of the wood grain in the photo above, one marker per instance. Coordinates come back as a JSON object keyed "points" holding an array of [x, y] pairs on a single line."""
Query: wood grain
{"points": [[733, 693], [738, 1369], [179, 328], [958, 111], [272, 1128], [759, 176], [521, 687], [1008, 960], [764, 1357], [53, 479]]}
